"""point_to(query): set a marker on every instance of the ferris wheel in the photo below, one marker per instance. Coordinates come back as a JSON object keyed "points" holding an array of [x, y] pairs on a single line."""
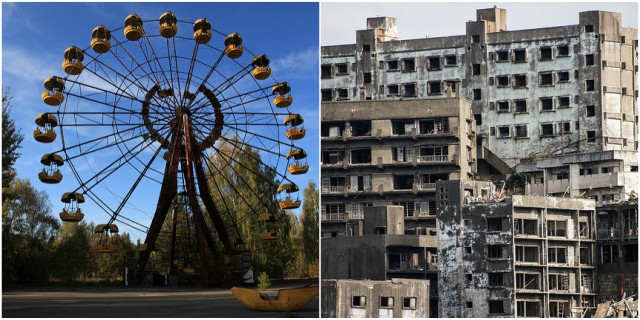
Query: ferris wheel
{"points": [[151, 105]]}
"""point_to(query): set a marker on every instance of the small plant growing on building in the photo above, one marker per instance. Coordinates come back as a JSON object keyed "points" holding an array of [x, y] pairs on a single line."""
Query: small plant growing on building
{"points": [[263, 281]]}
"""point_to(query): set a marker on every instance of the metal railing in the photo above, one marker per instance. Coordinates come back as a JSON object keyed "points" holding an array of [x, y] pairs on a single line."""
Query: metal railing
{"points": [[433, 158]]}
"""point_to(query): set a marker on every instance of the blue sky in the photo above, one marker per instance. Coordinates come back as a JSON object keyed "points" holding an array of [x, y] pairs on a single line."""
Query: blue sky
{"points": [[35, 36]]}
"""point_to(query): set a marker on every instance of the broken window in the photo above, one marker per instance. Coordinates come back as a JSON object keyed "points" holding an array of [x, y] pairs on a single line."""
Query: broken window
{"points": [[563, 76], [359, 301], [409, 65], [475, 38], [469, 304], [332, 157], [588, 28], [360, 183], [583, 227], [434, 126], [392, 65], [477, 94], [494, 224], [402, 154], [591, 136], [333, 211], [521, 131], [409, 303], [588, 60], [327, 94], [342, 68], [528, 308], [434, 87], [496, 279], [503, 81], [503, 106], [546, 78], [496, 306], [609, 254], [366, 48], [452, 85], [546, 104], [403, 182], [475, 69], [528, 227], [504, 131], [402, 127], [434, 63], [558, 281], [361, 128], [409, 90], [563, 51], [392, 90], [564, 102], [557, 228], [366, 77], [326, 71], [588, 171], [519, 81], [520, 106], [408, 207], [590, 85], [361, 156], [331, 129], [591, 111], [343, 94], [434, 154], [557, 255], [450, 60], [564, 127], [502, 56], [546, 129], [585, 255], [545, 54], [494, 251], [527, 281], [519, 55], [527, 254], [386, 302]]}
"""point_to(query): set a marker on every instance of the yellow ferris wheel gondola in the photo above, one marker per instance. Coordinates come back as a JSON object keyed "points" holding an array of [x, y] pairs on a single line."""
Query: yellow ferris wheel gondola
{"points": [[261, 69], [168, 25], [45, 133], [50, 173], [71, 211], [233, 44], [298, 167], [282, 101], [133, 27], [202, 31], [288, 202], [269, 229], [294, 133], [101, 42], [53, 93], [105, 241], [72, 63]]}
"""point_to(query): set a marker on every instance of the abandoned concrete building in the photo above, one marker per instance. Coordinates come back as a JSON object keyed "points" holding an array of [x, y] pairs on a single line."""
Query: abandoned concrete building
{"points": [[523, 256], [540, 91], [395, 298]]}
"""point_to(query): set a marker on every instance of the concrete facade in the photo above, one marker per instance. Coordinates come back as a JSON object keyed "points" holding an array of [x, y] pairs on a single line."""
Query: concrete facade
{"points": [[521, 256], [533, 92], [395, 298]]}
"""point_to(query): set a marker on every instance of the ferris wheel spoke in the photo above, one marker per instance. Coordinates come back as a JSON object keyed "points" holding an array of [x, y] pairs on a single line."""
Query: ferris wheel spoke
{"points": [[158, 64], [95, 148], [278, 142], [102, 90], [230, 81], [102, 205], [253, 146], [206, 78], [230, 159], [95, 140], [124, 77]]}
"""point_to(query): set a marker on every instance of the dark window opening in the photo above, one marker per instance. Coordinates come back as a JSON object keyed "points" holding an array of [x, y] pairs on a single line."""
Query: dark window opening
{"points": [[434, 126], [476, 69], [343, 94], [392, 65], [588, 59], [525, 227], [503, 81], [504, 132], [451, 60], [359, 301], [452, 85], [630, 253], [331, 129], [327, 94], [527, 254], [546, 130], [342, 68], [557, 228], [503, 106], [564, 102], [521, 131], [494, 224], [520, 106], [496, 279], [332, 157], [588, 28], [563, 51], [591, 111], [434, 63], [590, 85], [409, 303], [409, 90], [563, 76], [545, 54], [360, 156], [409, 65], [494, 252], [392, 89], [564, 127], [366, 48], [477, 94], [527, 281], [496, 307], [435, 87], [402, 127], [367, 77], [360, 128], [386, 302], [475, 38], [325, 71], [546, 104], [502, 56], [519, 55], [469, 304], [557, 255], [478, 118], [520, 81], [591, 136], [403, 182], [546, 79]]}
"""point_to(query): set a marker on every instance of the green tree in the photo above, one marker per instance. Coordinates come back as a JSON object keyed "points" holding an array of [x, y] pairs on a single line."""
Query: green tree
{"points": [[110, 264], [11, 139], [310, 223], [73, 252]]}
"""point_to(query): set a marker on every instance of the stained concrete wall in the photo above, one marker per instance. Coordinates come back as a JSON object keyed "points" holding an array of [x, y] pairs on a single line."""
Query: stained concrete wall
{"points": [[338, 298]]}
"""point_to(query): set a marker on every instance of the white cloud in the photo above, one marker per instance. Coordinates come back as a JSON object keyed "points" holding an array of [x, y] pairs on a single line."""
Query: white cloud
{"points": [[297, 65], [26, 65]]}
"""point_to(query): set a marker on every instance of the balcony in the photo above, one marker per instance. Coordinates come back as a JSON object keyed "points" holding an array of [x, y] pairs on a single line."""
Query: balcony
{"points": [[332, 216], [424, 186], [428, 159], [356, 215], [334, 190], [602, 180], [611, 234], [557, 186]]}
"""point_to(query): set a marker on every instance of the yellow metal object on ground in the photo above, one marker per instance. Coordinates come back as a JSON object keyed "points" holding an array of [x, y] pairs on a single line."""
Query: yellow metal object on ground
{"points": [[287, 300]]}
